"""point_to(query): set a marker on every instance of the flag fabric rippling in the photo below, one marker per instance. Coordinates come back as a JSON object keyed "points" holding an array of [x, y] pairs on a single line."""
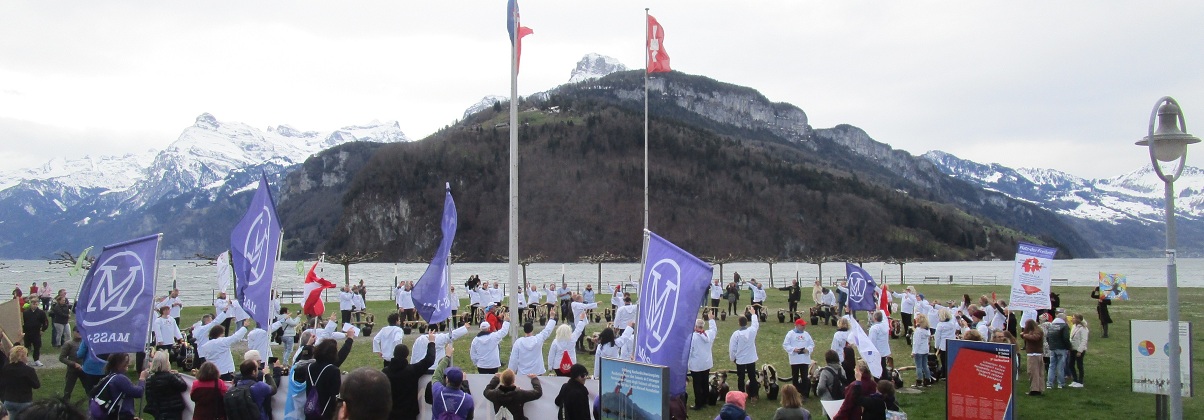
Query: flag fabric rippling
{"points": [[658, 58], [113, 310], [671, 293], [254, 245], [861, 288], [313, 292], [512, 20], [431, 292]]}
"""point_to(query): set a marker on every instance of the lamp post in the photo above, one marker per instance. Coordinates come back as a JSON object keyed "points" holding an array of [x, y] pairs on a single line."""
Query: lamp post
{"points": [[1167, 143]]}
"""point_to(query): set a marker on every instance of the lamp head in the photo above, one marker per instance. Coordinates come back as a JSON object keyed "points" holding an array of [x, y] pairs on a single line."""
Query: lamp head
{"points": [[1169, 141]]}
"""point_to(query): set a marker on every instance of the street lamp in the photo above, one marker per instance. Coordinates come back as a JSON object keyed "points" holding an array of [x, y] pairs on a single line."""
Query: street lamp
{"points": [[1168, 143]]}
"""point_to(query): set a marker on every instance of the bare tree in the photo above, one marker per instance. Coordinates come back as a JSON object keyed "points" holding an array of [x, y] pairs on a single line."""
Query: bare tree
{"points": [[531, 259], [900, 262], [349, 258], [771, 261], [604, 257], [819, 260], [720, 261], [67, 259]]}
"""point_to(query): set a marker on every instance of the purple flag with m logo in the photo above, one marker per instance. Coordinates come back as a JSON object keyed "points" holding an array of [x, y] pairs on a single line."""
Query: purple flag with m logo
{"points": [[254, 244], [431, 292], [861, 288], [670, 295], [113, 309]]}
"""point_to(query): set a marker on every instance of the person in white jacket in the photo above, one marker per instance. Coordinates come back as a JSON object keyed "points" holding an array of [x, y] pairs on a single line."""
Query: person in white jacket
{"points": [[526, 353], [840, 339], [879, 334], [485, 351], [441, 340], [907, 307], [288, 328], [946, 330], [700, 361], [165, 330], [919, 351], [742, 348], [625, 315], [564, 345], [388, 338], [716, 292], [404, 297], [611, 346], [799, 345], [217, 350], [346, 303], [260, 340]]}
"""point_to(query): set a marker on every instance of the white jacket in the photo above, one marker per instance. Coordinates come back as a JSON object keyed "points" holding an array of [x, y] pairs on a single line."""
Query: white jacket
{"points": [[920, 341], [418, 350], [260, 340], [796, 340], [579, 307], [386, 341], [346, 301], [908, 303], [880, 335], [533, 296], [700, 348], [839, 340], [526, 354], [625, 315], [485, 351], [613, 350], [200, 332], [166, 331], [170, 303], [757, 292], [357, 302], [218, 351], [558, 348], [496, 295], [945, 330], [716, 291], [742, 348]]}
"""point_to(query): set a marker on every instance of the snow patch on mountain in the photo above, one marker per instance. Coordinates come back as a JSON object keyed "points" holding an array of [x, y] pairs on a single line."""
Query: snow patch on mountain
{"points": [[594, 66], [484, 104]]}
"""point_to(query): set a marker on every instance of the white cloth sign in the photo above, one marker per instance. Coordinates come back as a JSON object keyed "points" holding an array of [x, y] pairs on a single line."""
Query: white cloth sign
{"points": [[1031, 280]]}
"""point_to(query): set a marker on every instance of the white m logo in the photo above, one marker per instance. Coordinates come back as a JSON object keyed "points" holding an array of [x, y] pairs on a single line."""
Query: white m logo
{"points": [[663, 313], [258, 245], [111, 295]]}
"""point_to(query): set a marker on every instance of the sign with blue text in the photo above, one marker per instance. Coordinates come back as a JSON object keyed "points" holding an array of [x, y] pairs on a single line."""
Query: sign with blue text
{"points": [[633, 391]]}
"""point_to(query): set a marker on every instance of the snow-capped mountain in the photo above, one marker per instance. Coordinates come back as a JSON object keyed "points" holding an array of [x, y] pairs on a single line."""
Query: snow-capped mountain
{"points": [[485, 103], [1122, 210], [65, 204], [594, 66]]}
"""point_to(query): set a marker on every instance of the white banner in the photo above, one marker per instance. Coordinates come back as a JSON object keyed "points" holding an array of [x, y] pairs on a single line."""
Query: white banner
{"points": [[1150, 347], [223, 271], [1031, 281]]}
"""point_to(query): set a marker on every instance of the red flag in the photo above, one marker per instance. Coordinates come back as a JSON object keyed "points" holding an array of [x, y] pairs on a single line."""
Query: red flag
{"points": [[313, 292], [512, 20], [883, 300], [658, 59]]}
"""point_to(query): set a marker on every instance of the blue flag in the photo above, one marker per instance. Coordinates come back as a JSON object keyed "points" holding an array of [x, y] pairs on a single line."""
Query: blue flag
{"points": [[431, 292], [254, 244], [861, 288], [670, 295], [114, 306]]}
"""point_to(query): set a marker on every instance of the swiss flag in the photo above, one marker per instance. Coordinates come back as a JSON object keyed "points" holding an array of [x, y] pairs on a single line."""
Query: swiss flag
{"points": [[658, 59], [513, 21], [313, 292]]}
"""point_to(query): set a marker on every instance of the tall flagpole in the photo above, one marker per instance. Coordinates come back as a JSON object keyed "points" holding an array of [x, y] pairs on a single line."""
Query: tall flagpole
{"points": [[513, 255], [646, 35]]}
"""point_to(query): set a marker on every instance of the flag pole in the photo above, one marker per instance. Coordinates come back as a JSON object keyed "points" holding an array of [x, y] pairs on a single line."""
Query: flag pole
{"points": [[513, 253], [640, 288], [646, 35]]}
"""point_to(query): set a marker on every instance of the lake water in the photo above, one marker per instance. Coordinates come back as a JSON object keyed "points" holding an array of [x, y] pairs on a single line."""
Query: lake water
{"points": [[197, 283]]}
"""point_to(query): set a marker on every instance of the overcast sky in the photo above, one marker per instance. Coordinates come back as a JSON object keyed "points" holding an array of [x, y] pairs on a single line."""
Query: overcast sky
{"points": [[1067, 85]]}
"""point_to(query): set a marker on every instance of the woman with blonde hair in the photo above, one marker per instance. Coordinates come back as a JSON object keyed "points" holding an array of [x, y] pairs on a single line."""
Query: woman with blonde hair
{"points": [[792, 405], [164, 389], [19, 382], [1078, 349], [919, 351], [946, 329], [564, 346]]}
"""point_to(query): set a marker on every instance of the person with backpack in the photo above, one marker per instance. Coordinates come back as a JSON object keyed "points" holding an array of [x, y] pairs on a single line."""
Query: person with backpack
{"points": [[505, 395], [562, 354], [403, 378], [1058, 337], [245, 400], [17, 382], [831, 383], [117, 390], [323, 378], [207, 393], [449, 397], [164, 389], [573, 399]]}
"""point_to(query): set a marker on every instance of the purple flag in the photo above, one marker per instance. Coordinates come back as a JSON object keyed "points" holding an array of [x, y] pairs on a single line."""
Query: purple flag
{"points": [[114, 306], [861, 288], [254, 244], [431, 292], [670, 295]]}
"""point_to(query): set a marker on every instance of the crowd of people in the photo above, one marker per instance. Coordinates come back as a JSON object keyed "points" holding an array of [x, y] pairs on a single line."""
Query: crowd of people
{"points": [[309, 368]]}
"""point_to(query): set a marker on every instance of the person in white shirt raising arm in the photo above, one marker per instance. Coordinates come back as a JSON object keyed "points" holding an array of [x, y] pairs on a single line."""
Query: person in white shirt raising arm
{"points": [[742, 349], [217, 350], [526, 353], [167, 333], [701, 361], [486, 350]]}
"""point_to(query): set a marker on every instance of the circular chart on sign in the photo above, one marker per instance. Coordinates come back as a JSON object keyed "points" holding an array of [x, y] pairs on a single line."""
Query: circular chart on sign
{"points": [[1146, 348], [1166, 348]]}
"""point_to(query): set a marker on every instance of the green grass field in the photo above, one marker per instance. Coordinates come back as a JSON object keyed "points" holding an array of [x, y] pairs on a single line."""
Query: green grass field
{"points": [[1107, 392]]}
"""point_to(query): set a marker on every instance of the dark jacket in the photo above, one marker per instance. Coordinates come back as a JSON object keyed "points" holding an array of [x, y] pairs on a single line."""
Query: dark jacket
{"points": [[511, 397], [1101, 307], [164, 395], [403, 378], [1058, 336], [1034, 342], [795, 293], [329, 383], [208, 398], [731, 412], [121, 385], [18, 381], [67, 355], [851, 408], [60, 313], [573, 401], [35, 323]]}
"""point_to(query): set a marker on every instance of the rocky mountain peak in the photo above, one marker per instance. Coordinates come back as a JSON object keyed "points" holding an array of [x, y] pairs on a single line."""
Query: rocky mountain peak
{"points": [[594, 66]]}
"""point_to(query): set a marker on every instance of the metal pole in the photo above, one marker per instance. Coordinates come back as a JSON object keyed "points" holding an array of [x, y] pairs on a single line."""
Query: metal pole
{"points": [[1172, 295], [646, 35], [513, 253]]}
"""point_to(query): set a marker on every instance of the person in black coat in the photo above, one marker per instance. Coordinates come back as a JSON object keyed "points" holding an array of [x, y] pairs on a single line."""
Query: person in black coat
{"points": [[35, 324], [164, 389], [327, 356], [1101, 308], [793, 297], [502, 392], [573, 400], [403, 378], [17, 382]]}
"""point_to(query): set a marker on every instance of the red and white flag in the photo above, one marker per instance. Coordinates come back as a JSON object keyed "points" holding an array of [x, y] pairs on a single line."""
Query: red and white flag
{"points": [[658, 59], [313, 292], [884, 300]]}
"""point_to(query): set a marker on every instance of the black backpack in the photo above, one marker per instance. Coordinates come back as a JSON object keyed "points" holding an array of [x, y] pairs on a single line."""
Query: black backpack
{"points": [[240, 405], [836, 385]]}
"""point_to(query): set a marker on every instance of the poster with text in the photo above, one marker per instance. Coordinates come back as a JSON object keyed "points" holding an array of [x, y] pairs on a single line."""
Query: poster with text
{"points": [[1113, 286], [633, 391], [1030, 283], [1150, 353], [980, 381]]}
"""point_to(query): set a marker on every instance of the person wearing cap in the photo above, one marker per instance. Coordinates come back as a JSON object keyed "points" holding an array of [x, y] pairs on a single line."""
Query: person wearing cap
{"points": [[388, 338], [799, 346], [441, 341], [700, 362], [908, 308], [526, 353], [491, 317], [733, 407], [573, 399], [485, 350], [447, 389]]}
